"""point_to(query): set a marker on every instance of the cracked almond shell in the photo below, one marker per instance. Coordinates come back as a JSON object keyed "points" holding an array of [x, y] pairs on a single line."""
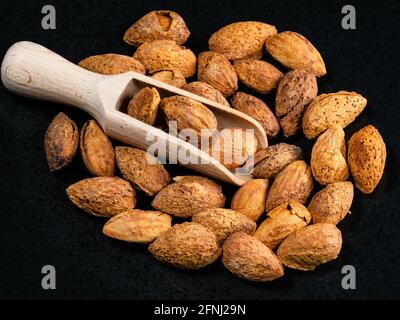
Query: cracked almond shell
{"points": [[250, 259], [102, 196], [250, 198], [205, 90], [224, 222], [142, 169], [281, 222], [327, 110], [172, 77], [241, 40], [166, 54], [294, 51], [111, 63], [310, 247], [144, 105], [189, 195], [60, 142], [186, 246], [294, 182], [157, 25], [214, 69], [259, 76], [258, 110], [137, 226], [295, 91], [331, 204], [366, 157], [97, 150]]}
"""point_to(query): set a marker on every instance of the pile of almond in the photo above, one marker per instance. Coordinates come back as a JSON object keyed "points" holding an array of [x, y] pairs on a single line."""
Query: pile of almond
{"points": [[273, 221]]}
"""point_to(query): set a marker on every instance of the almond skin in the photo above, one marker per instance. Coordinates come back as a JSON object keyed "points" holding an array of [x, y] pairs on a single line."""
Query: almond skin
{"points": [[188, 114], [189, 195], [172, 77], [233, 146], [281, 222], [331, 204], [295, 91], [214, 69], [186, 246], [97, 151], [102, 196], [166, 54], [224, 222], [258, 110], [205, 90], [294, 51], [328, 157], [366, 158], [259, 76], [111, 63], [61, 142], [270, 161], [327, 110], [144, 105], [310, 247], [157, 25], [142, 169], [250, 198], [250, 259], [241, 40], [137, 226], [292, 183]]}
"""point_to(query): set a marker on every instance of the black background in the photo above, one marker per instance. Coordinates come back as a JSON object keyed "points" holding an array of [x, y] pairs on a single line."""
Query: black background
{"points": [[39, 226]]}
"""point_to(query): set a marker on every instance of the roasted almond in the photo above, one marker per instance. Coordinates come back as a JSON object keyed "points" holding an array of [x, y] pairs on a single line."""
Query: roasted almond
{"points": [[205, 90], [258, 75], [172, 77], [111, 63], [157, 25], [102, 196], [97, 151], [142, 169], [144, 105], [61, 142]]}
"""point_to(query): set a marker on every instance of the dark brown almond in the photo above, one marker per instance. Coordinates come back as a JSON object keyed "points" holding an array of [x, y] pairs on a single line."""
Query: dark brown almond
{"points": [[144, 105]]}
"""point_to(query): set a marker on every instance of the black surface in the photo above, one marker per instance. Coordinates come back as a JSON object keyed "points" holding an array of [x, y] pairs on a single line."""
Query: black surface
{"points": [[39, 226]]}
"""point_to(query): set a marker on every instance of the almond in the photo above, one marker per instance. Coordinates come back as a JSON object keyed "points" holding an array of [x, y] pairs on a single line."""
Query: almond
{"points": [[233, 146], [188, 114], [187, 246], [270, 161], [331, 204], [142, 169], [259, 76], [205, 90], [144, 105], [367, 157], [111, 63], [294, 51], [214, 69], [60, 142], [295, 91], [224, 222], [328, 157], [250, 198], [241, 40], [258, 110], [97, 151], [326, 110], [189, 195], [172, 77], [294, 182], [102, 196], [250, 259], [310, 247], [157, 25], [281, 222], [137, 225], [166, 54]]}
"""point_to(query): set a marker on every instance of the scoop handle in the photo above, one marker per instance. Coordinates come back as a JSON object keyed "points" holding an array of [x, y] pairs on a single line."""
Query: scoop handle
{"points": [[31, 70]]}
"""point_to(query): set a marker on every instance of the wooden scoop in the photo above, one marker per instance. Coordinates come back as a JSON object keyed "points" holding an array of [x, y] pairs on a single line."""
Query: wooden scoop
{"points": [[31, 70]]}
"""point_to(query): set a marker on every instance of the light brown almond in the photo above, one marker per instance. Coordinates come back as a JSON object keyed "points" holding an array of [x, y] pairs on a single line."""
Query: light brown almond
{"points": [[111, 63], [172, 77], [205, 90], [144, 105]]}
